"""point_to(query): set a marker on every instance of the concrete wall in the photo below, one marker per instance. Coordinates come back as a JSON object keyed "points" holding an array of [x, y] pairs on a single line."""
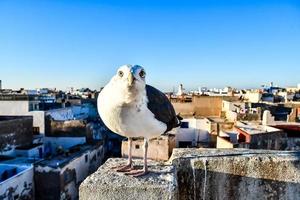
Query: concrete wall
{"points": [[203, 174], [82, 168], [21, 184], [198, 131], [14, 107], [274, 141], [34, 152], [253, 97], [223, 144], [39, 120], [52, 143], [69, 128], [200, 106], [15, 131], [63, 183], [21, 108], [237, 174], [158, 149]]}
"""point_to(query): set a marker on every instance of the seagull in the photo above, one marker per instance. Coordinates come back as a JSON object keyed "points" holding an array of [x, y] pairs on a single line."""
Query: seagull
{"points": [[131, 108]]}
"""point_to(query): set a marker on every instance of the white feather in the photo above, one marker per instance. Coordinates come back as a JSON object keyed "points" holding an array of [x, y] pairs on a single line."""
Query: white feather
{"points": [[125, 112]]}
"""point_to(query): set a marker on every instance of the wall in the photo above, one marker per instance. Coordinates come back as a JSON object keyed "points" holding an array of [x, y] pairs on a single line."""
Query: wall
{"points": [[158, 149], [237, 174], [33, 152], [15, 131], [51, 143], [65, 181], [194, 174], [21, 185], [274, 140], [69, 128], [198, 131], [21, 108], [39, 120], [223, 144], [253, 97], [200, 106], [14, 107], [47, 184]]}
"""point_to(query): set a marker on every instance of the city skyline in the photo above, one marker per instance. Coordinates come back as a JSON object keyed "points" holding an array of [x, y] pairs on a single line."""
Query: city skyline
{"points": [[208, 43]]}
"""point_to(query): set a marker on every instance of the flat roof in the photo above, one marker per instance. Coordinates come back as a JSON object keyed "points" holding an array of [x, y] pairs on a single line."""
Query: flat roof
{"points": [[62, 160], [256, 128]]}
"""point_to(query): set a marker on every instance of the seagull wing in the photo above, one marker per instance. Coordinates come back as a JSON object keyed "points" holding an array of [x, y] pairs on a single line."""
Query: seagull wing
{"points": [[161, 107]]}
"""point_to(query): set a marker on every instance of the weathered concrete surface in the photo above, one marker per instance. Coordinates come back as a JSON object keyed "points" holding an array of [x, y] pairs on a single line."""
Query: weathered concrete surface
{"points": [[107, 184], [237, 174], [234, 174], [15, 130]]}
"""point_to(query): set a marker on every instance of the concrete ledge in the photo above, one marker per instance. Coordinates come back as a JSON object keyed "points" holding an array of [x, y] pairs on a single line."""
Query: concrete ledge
{"points": [[237, 174], [203, 174], [107, 184]]}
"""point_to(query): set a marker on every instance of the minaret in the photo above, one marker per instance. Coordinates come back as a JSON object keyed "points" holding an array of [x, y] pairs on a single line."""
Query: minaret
{"points": [[180, 90], [0, 84]]}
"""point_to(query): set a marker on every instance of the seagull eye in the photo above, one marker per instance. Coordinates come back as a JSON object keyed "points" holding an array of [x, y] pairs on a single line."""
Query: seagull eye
{"points": [[142, 74], [120, 73]]}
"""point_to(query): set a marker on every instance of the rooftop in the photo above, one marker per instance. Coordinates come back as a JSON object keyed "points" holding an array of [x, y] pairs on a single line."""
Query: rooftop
{"points": [[60, 161], [253, 128]]}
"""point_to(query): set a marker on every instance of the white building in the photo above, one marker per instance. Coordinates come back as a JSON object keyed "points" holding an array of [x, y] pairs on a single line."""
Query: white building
{"points": [[232, 109], [65, 172], [16, 180], [24, 108], [192, 132], [253, 96]]}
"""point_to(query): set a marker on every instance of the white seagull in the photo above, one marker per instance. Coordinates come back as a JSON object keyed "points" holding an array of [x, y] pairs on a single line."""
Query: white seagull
{"points": [[132, 109]]}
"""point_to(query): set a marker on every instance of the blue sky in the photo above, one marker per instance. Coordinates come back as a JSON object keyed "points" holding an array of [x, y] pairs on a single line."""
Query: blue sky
{"points": [[211, 43]]}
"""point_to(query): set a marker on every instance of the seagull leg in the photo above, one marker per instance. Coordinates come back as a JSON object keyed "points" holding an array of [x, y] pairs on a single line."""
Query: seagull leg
{"points": [[144, 171], [128, 166]]}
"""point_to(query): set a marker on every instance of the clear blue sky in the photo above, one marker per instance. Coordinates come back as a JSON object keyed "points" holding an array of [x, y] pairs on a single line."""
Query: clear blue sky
{"points": [[210, 43]]}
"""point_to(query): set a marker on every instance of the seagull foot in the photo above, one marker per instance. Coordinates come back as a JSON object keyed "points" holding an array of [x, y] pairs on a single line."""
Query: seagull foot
{"points": [[123, 168], [137, 173]]}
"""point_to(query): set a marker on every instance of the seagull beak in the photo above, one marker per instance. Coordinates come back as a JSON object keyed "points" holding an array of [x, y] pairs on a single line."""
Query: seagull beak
{"points": [[130, 79]]}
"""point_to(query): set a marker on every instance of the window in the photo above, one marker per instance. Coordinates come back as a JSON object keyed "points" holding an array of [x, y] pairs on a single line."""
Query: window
{"points": [[30, 107], [137, 146], [184, 125], [86, 158], [36, 130]]}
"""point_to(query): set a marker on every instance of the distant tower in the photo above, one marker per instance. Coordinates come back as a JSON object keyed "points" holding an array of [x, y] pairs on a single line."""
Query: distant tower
{"points": [[0, 84], [298, 85], [180, 90]]}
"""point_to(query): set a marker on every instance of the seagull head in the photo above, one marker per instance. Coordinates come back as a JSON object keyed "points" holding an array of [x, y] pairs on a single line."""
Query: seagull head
{"points": [[131, 77]]}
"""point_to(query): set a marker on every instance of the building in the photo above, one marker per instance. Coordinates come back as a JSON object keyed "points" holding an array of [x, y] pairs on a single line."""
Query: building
{"points": [[160, 148], [16, 180], [23, 105], [193, 132], [15, 131], [233, 109], [201, 106], [256, 136], [59, 177]]}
